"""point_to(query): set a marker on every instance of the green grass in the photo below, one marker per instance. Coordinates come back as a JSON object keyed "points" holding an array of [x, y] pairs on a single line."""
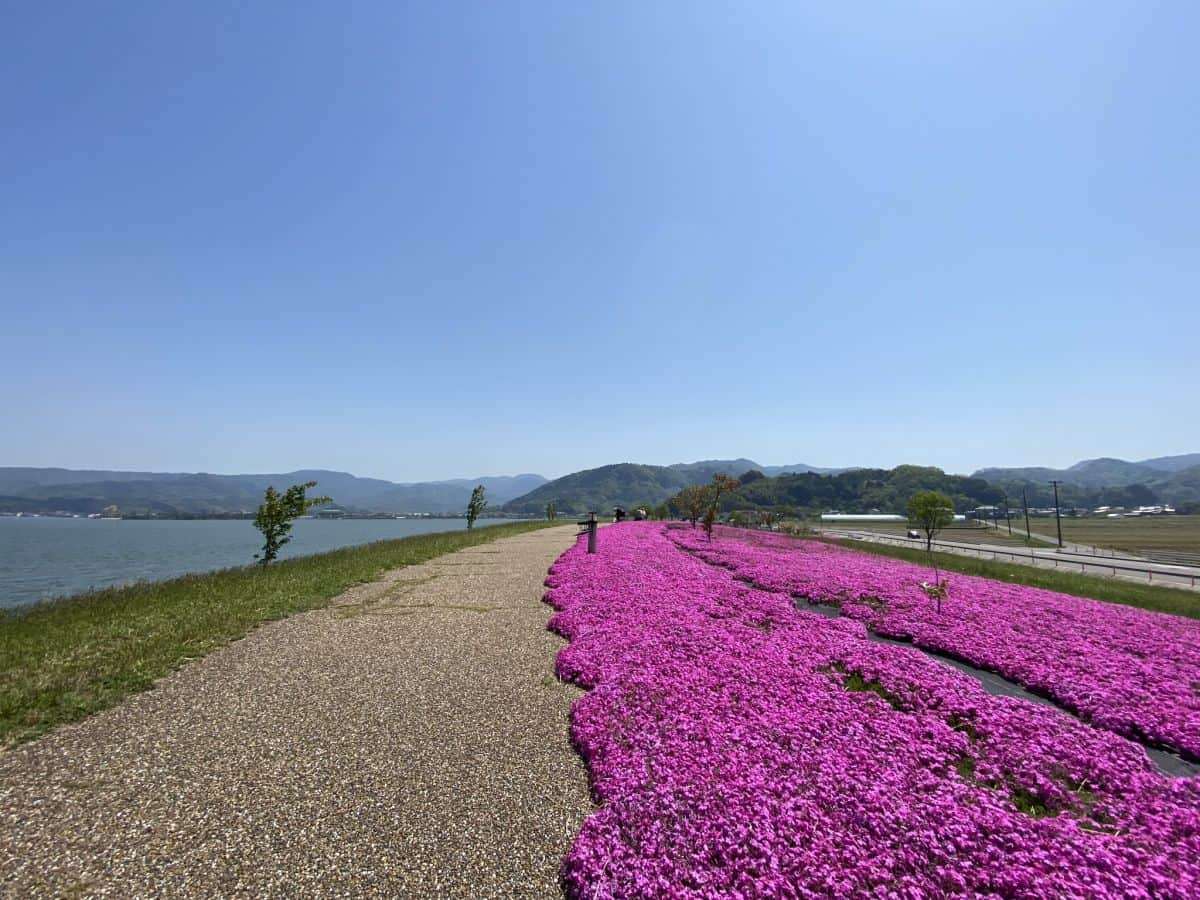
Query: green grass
{"points": [[68, 658], [1144, 596]]}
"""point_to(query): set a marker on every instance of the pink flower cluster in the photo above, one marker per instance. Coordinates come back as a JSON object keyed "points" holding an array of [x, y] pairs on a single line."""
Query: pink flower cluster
{"points": [[742, 748], [1125, 669]]}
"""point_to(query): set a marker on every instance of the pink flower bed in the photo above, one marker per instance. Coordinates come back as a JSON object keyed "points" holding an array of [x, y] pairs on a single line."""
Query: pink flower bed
{"points": [[739, 747], [1125, 669]]}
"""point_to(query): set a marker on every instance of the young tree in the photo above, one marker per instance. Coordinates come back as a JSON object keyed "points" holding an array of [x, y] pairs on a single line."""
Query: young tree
{"points": [[551, 512], [275, 515], [931, 512], [476, 505], [692, 501], [721, 483]]}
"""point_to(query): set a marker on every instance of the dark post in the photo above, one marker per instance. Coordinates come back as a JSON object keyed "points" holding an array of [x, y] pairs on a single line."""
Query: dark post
{"points": [[591, 524], [1007, 514], [1025, 500], [1057, 517]]}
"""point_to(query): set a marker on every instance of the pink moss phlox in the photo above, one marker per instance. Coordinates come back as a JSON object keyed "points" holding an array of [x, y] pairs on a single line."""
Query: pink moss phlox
{"points": [[739, 747]]}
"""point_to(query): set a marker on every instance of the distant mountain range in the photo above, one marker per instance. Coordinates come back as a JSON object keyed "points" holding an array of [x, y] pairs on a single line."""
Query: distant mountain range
{"points": [[629, 484], [1102, 472], [83, 491], [87, 491], [1172, 479]]}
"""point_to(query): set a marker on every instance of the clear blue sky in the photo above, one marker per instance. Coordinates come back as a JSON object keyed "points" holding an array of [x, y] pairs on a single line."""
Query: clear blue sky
{"points": [[423, 240]]}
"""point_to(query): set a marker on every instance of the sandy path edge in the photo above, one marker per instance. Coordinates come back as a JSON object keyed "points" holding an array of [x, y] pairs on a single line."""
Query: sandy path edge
{"points": [[409, 740]]}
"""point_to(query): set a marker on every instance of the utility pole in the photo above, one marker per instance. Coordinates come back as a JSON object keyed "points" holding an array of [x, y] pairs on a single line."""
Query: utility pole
{"points": [[1007, 515], [1057, 517], [1025, 500]]}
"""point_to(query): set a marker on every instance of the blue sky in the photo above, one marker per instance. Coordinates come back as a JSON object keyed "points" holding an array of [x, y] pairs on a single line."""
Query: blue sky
{"points": [[424, 240]]}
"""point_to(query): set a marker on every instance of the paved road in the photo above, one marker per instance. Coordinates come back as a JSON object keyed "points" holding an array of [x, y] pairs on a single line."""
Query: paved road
{"points": [[1067, 560], [410, 740]]}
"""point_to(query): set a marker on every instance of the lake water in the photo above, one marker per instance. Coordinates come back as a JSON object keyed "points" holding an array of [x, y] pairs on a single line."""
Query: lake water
{"points": [[47, 557]]}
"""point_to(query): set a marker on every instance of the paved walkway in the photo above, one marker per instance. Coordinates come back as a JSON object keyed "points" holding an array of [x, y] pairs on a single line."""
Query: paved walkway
{"points": [[411, 740]]}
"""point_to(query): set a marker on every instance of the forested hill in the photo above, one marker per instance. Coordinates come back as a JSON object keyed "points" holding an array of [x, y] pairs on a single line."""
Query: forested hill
{"points": [[631, 484], [1117, 482], [859, 490], [622, 484], [1105, 471], [853, 490], [888, 491]]}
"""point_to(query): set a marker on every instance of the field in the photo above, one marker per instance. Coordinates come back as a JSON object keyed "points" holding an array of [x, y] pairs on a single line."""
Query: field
{"points": [[1158, 535], [958, 532], [63, 660], [740, 743]]}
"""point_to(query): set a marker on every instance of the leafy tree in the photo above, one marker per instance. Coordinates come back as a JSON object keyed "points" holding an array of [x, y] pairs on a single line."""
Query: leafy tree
{"points": [[476, 505], [721, 484], [930, 511], [751, 475], [692, 502], [275, 515], [551, 512]]}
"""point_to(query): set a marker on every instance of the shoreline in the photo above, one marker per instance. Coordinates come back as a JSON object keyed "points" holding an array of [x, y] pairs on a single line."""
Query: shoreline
{"points": [[68, 658], [51, 559], [408, 738]]}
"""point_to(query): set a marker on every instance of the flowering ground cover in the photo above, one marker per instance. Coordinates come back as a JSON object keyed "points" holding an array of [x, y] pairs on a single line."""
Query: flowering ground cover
{"points": [[1128, 670], [739, 747]]}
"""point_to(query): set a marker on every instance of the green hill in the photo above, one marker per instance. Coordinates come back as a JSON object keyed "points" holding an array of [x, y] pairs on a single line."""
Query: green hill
{"points": [[623, 484], [631, 484], [859, 491]]}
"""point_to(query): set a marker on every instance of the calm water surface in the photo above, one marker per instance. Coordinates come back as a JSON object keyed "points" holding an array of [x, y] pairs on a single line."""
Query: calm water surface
{"points": [[46, 557]]}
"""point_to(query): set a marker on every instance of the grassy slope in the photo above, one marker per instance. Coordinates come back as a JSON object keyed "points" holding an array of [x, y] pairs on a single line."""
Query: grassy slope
{"points": [[1129, 593], [64, 660]]}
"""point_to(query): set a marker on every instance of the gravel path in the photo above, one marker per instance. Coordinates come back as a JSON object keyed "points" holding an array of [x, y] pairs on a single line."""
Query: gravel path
{"points": [[410, 740]]}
